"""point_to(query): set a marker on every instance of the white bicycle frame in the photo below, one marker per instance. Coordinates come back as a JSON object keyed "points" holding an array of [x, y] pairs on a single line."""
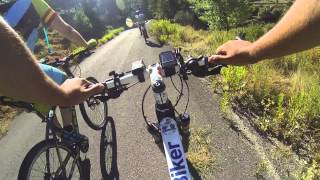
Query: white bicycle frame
{"points": [[171, 138]]}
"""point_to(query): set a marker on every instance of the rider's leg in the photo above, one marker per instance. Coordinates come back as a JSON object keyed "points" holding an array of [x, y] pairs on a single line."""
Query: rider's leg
{"points": [[68, 132], [59, 77], [145, 29], [140, 29]]}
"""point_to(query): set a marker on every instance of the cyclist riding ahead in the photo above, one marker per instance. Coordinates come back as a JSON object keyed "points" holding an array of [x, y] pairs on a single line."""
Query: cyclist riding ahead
{"points": [[140, 19], [20, 70]]}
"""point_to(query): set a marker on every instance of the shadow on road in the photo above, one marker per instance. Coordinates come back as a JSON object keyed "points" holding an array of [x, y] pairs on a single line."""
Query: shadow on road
{"points": [[193, 172], [83, 56], [108, 151], [154, 44]]}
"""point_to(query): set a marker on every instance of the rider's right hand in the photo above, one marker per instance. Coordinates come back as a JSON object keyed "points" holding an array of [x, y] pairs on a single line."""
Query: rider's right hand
{"points": [[78, 89], [234, 52]]}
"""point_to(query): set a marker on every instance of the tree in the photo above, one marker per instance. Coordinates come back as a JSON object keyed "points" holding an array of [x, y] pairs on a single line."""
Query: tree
{"points": [[222, 14], [102, 13]]}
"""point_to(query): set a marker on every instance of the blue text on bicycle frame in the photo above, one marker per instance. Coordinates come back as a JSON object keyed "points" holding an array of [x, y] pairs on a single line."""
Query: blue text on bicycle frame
{"points": [[179, 168]]}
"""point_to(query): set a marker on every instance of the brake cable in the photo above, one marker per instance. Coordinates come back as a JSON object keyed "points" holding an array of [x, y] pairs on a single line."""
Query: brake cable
{"points": [[142, 105]]}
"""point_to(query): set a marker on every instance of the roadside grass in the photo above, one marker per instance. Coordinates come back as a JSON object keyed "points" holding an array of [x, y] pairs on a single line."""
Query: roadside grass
{"points": [[6, 114], [110, 34], [281, 95], [4, 124], [262, 169], [200, 153]]}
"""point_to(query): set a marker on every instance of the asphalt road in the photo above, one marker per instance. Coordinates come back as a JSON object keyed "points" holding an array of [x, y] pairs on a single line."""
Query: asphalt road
{"points": [[137, 158]]}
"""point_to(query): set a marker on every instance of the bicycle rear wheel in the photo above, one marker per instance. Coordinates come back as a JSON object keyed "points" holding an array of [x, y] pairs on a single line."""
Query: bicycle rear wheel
{"points": [[43, 162], [94, 111]]}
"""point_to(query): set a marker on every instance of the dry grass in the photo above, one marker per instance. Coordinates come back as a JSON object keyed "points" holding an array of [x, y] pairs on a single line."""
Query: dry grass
{"points": [[6, 116], [200, 153]]}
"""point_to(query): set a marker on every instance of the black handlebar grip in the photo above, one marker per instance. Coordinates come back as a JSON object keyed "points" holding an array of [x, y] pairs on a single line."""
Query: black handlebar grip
{"points": [[205, 70]]}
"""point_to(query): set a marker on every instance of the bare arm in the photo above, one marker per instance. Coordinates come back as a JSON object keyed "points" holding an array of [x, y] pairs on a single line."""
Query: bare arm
{"points": [[21, 77], [298, 30], [68, 31]]}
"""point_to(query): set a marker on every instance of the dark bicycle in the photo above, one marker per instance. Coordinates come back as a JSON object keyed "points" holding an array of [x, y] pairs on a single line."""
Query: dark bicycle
{"points": [[144, 32], [52, 158], [92, 110]]}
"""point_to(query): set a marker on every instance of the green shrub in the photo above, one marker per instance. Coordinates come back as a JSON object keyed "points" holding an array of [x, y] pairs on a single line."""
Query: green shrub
{"points": [[110, 34], [184, 17], [163, 30]]}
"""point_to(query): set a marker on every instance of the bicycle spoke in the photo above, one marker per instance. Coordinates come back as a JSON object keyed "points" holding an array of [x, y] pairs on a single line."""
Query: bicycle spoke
{"points": [[62, 166], [41, 169], [96, 111], [53, 163], [72, 168], [47, 166]]}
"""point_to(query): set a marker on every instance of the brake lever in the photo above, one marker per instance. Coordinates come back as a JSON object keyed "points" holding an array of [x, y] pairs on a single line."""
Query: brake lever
{"points": [[214, 69], [205, 69]]}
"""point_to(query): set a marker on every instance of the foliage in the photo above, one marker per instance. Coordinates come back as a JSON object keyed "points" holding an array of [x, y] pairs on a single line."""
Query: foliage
{"points": [[79, 20], [270, 14], [163, 30], [222, 14], [101, 14], [110, 34], [313, 172], [6, 115], [90, 17], [184, 17]]}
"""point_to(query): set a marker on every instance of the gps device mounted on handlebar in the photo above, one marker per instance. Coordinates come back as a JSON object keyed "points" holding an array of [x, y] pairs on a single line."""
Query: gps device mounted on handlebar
{"points": [[168, 62]]}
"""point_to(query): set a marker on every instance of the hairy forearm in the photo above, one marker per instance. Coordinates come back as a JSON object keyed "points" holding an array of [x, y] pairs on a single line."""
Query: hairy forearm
{"points": [[68, 31], [20, 76], [298, 30]]}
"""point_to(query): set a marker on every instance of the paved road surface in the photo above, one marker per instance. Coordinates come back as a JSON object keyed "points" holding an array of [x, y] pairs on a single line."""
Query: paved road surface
{"points": [[138, 158]]}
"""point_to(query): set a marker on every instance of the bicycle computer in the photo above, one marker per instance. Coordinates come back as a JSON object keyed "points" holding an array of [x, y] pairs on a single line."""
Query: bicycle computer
{"points": [[168, 62]]}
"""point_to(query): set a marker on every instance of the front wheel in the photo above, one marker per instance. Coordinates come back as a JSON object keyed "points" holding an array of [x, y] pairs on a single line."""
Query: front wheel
{"points": [[51, 160], [94, 111], [108, 151]]}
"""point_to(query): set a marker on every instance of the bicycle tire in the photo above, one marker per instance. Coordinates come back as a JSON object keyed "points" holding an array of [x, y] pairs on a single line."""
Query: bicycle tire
{"points": [[108, 151], [145, 34], [95, 123], [35, 154]]}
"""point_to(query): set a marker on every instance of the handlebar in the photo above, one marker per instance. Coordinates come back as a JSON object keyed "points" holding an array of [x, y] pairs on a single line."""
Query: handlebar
{"points": [[66, 60], [139, 73]]}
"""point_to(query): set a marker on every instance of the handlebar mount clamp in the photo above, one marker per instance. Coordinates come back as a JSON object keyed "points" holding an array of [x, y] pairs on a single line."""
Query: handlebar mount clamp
{"points": [[138, 68]]}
